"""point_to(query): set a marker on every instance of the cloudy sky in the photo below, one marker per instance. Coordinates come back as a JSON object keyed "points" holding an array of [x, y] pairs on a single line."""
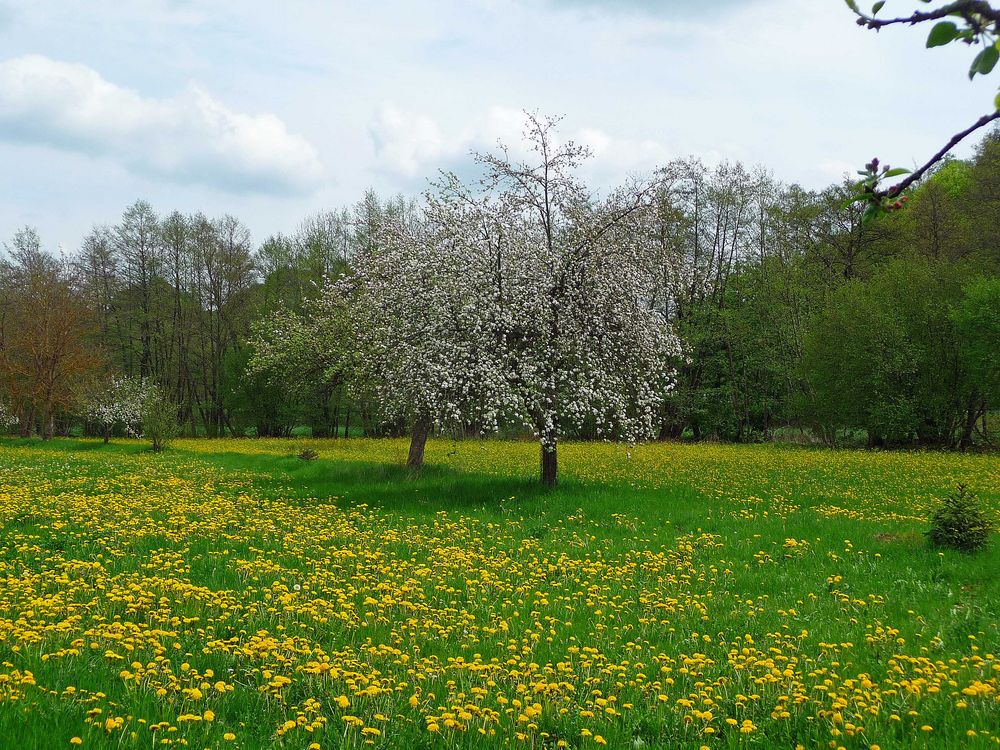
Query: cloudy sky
{"points": [[271, 111]]}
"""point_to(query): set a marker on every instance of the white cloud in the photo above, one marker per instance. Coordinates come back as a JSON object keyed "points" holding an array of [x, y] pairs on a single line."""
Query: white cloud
{"points": [[413, 145], [190, 138], [405, 143], [617, 155]]}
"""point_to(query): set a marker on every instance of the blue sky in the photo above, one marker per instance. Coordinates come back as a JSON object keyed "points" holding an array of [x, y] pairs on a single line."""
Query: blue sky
{"points": [[271, 111]]}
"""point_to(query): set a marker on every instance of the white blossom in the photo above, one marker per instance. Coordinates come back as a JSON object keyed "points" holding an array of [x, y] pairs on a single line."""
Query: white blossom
{"points": [[8, 418], [118, 403]]}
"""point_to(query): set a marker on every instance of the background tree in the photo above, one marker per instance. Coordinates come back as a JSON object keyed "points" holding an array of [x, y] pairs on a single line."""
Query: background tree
{"points": [[45, 351], [883, 356], [115, 403], [306, 356], [977, 321]]}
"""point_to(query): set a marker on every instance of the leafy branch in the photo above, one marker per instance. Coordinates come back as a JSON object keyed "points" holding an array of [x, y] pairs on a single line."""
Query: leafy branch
{"points": [[977, 23]]}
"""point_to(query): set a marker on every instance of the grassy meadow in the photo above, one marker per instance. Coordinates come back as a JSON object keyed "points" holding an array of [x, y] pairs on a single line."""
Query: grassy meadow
{"points": [[226, 594]]}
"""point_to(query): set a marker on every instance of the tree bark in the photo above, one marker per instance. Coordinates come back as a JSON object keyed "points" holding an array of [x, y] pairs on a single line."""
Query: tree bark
{"points": [[48, 424], [418, 441], [549, 464], [26, 422]]}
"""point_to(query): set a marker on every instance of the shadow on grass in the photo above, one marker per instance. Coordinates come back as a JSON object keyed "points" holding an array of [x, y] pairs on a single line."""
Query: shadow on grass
{"points": [[394, 488], [384, 484], [64, 445]]}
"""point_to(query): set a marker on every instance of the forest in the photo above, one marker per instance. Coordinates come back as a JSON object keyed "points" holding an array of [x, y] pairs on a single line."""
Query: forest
{"points": [[747, 309]]}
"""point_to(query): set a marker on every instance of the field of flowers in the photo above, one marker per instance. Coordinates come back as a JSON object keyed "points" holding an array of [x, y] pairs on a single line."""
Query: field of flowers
{"points": [[225, 594]]}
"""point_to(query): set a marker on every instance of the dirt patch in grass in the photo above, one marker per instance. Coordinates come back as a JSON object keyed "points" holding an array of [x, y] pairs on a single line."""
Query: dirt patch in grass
{"points": [[904, 537]]}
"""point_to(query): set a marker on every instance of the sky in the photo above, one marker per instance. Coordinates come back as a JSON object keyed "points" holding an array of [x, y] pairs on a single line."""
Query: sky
{"points": [[274, 111]]}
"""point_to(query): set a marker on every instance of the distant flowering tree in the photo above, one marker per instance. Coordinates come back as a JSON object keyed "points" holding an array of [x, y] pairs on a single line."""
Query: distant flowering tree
{"points": [[119, 403], [8, 418]]}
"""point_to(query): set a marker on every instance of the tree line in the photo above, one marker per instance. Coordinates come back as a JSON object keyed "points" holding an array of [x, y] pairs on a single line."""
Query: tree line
{"points": [[706, 302]]}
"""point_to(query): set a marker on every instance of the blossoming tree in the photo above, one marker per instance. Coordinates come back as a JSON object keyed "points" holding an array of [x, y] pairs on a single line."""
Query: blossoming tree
{"points": [[7, 417], [426, 331], [522, 301], [574, 281], [117, 403]]}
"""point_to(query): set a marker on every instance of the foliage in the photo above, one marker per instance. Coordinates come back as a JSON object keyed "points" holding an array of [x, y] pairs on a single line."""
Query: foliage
{"points": [[159, 418], [960, 523], [883, 355], [703, 302], [977, 322], [254, 402], [45, 358]]}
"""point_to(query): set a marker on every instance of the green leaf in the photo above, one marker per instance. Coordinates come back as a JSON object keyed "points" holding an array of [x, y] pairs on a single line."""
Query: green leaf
{"points": [[870, 213], [942, 33], [990, 57], [985, 61], [852, 5], [996, 102], [896, 172], [877, 7]]}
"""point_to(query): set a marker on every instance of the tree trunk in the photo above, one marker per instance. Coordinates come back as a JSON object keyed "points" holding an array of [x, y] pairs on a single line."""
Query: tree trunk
{"points": [[418, 440], [27, 420], [107, 434], [48, 424], [972, 416], [549, 464]]}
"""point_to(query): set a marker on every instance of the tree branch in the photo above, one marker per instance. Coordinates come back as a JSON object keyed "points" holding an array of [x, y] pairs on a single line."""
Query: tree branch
{"points": [[899, 187], [964, 8]]}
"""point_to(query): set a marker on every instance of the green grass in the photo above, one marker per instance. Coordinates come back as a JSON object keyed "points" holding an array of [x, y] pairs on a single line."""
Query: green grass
{"points": [[669, 560]]}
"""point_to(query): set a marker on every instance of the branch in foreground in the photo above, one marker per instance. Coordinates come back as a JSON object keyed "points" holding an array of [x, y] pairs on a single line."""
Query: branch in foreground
{"points": [[899, 187], [967, 9]]}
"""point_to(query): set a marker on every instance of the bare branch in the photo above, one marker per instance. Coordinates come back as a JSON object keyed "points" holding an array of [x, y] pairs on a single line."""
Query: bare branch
{"points": [[968, 9], [898, 188]]}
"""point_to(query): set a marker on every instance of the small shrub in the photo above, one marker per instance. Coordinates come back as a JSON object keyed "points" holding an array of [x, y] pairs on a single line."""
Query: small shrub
{"points": [[159, 418], [308, 454], [959, 523]]}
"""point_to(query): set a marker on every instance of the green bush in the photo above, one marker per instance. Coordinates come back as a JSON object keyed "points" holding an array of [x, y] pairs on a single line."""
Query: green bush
{"points": [[959, 523], [159, 418]]}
